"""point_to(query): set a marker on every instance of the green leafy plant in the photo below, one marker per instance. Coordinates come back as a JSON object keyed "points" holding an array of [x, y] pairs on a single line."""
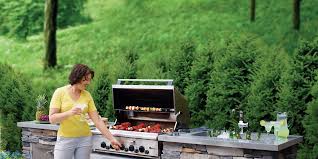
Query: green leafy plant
{"points": [[16, 104], [181, 65], [306, 65], [265, 87], [310, 122], [199, 79], [101, 91], [230, 81]]}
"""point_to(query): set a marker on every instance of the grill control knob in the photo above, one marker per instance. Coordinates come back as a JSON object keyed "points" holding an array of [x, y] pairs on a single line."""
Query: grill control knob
{"points": [[103, 145], [111, 146], [136, 151], [146, 152], [107, 147], [131, 148], [126, 149], [122, 147], [142, 149]]}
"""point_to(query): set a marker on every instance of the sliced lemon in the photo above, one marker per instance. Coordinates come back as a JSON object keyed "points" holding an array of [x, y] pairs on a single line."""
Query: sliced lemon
{"points": [[282, 122], [262, 122]]}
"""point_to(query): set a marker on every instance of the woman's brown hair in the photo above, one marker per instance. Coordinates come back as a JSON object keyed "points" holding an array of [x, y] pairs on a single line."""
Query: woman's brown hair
{"points": [[78, 72]]}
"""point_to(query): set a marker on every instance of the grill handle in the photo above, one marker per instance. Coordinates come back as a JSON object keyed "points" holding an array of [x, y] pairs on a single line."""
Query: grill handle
{"points": [[168, 81]]}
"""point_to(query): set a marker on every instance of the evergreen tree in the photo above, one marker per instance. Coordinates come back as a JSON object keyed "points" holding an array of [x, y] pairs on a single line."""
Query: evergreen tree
{"points": [[310, 149], [17, 103], [181, 65], [101, 90], [265, 88], [230, 82], [306, 66], [199, 78], [131, 58]]}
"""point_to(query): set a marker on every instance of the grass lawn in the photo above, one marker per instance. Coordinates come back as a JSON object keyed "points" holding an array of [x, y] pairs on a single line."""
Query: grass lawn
{"points": [[155, 29]]}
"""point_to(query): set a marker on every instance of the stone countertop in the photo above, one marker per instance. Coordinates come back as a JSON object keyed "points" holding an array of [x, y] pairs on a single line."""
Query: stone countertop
{"points": [[267, 145], [119, 133], [35, 125], [48, 126], [187, 138]]}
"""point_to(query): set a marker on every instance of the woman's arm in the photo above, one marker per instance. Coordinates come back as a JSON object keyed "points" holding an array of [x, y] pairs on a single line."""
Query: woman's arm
{"points": [[56, 117], [100, 125]]}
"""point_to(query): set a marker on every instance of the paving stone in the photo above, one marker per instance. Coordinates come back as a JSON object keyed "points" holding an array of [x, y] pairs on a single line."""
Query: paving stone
{"points": [[201, 148], [224, 151], [171, 152], [46, 142], [26, 144], [258, 153], [30, 139], [172, 146], [165, 156], [214, 157], [226, 157], [26, 133], [48, 139], [194, 156], [267, 157]]}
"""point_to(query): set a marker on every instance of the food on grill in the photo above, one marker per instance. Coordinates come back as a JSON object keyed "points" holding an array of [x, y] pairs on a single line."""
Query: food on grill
{"points": [[142, 128], [167, 130], [147, 109]]}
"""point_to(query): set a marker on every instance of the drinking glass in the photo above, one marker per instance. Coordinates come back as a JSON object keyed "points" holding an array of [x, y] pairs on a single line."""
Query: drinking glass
{"points": [[277, 127], [82, 115], [268, 127]]}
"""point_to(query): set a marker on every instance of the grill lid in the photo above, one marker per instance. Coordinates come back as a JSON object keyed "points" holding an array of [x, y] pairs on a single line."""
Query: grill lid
{"points": [[157, 96], [151, 104]]}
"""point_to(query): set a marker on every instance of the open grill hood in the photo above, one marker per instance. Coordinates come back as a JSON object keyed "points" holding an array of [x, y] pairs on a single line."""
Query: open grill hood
{"points": [[141, 95]]}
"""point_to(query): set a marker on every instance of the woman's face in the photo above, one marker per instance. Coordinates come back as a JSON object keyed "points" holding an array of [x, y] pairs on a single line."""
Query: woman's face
{"points": [[86, 80]]}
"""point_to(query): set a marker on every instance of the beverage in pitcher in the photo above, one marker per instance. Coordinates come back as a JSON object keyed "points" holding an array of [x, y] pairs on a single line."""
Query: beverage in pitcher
{"points": [[283, 130]]}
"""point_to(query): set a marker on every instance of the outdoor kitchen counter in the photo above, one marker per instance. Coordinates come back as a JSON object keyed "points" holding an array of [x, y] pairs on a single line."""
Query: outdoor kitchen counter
{"points": [[35, 125], [38, 140], [55, 127], [47, 126], [185, 145]]}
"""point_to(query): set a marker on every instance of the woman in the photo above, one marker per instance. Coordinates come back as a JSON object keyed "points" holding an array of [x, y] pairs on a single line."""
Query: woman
{"points": [[68, 106]]}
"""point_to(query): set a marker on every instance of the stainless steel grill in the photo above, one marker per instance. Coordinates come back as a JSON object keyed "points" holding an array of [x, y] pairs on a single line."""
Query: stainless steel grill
{"points": [[143, 111]]}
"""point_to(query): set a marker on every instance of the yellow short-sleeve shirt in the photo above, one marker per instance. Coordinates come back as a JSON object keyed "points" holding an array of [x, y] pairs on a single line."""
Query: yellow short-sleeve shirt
{"points": [[72, 126]]}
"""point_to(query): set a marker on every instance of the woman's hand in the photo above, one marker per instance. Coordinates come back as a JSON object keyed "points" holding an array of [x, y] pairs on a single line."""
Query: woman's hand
{"points": [[100, 125], [116, 144], [75, 111]]}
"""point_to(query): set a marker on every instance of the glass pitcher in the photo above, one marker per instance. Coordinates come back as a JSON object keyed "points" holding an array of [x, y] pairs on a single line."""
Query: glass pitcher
{"points": [[282, 129]]}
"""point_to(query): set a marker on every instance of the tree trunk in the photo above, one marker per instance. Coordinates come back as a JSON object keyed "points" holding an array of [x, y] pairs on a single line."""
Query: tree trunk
{"points": [[296, 14], [50, 33], [252, 10]]}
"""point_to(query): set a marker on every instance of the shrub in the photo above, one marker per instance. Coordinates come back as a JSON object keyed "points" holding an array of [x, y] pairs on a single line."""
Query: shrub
{"points": [[199, 78], [154, 66], [230, 82], [310, 149], [306, 66], [124, 67], [307, 62], [265, 87], [101, 92], [16, 103], [181, 65], [10, 155], [131, 58]]}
